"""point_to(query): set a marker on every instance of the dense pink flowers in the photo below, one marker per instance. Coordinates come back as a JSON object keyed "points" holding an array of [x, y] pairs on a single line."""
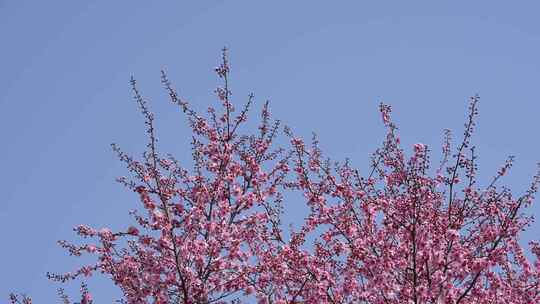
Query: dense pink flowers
{"points": [[399, 234]]}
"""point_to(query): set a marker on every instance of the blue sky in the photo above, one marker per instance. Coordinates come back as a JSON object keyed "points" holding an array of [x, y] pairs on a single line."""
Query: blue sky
{"points": [[325, 66]]}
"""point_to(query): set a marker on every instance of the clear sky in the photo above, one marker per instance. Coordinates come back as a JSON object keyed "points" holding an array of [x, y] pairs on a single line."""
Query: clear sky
{"points": [[325, 66]]}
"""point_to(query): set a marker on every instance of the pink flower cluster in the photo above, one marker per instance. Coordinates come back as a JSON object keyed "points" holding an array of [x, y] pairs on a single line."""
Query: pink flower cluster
{"points": [[213, 233]]}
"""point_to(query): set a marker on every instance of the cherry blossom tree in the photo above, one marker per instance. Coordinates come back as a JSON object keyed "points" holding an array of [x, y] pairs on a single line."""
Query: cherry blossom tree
{"points": [[212, 233]]}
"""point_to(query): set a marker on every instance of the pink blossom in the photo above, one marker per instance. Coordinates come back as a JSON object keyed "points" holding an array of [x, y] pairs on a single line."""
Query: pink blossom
{"points": [[398, 234]]}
